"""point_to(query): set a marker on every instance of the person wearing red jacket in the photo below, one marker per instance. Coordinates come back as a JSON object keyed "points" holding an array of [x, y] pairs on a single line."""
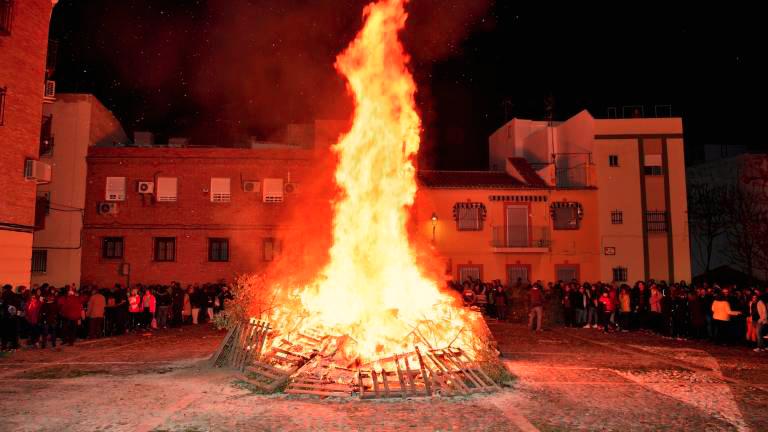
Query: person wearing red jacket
{"points": [[71, 314], [31, 314], [606, 310]]}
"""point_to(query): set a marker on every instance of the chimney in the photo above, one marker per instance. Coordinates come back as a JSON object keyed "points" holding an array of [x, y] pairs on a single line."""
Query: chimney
{"points": [[144, 139]]}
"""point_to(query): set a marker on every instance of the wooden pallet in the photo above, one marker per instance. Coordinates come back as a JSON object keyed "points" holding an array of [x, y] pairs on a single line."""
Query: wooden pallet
{"points": [[396, 378], [242, 345], [266, 377], [456, 374], [318, 387]]}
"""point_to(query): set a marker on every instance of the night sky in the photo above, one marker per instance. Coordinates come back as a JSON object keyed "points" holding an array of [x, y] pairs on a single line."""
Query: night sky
{"points": [[220, 70]]}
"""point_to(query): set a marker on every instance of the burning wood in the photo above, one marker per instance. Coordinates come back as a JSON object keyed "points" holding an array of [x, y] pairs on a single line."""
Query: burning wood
{"points": [[371, 323]]}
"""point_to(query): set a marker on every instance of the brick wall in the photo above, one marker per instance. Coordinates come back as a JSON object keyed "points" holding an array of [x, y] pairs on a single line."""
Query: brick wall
{"points": [[246, 221], [22, 72]]}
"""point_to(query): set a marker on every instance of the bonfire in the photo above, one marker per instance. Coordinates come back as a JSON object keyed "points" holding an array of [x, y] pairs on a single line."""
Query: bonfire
{"points": [[371, 322]]}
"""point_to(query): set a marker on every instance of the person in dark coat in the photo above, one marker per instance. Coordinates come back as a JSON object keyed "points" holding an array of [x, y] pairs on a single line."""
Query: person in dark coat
{"points": [[10, 305], [48, 319], [177, 305]]}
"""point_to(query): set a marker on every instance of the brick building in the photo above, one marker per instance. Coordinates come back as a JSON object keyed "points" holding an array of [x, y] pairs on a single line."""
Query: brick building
{"points": [[23, 51], [157, 213]]}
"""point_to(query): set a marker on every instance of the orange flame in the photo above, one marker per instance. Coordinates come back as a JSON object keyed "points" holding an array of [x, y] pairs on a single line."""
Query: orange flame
{"points": [[372, 290]]}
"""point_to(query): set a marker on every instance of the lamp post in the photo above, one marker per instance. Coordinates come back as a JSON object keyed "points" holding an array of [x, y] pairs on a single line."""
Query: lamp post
{"points": [[434, 225]]}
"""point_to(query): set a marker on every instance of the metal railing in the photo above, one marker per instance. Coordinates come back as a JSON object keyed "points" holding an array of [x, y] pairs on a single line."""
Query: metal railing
{"points": [[46, 136], [536, 237]]}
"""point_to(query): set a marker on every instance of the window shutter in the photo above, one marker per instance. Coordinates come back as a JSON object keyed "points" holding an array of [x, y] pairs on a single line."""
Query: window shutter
{"points": [[167, 189], [220, 191], [115, 189]]}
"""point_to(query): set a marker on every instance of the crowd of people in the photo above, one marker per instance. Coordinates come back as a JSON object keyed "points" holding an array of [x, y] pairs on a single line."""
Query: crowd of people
{"points": [[726, 315], [46, 315]]}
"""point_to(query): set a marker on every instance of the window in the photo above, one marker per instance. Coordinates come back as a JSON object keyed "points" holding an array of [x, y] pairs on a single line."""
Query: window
{"points": [[656, 221], [39, 261], [6, 17], [167, 188], [566, 272], [2, 104], [42, 209], [517, 271], [115, 189], [112, 247], [165, 249], [469, 219], [652, 165], [619, 274], [617, 217], [475, 272], [218, 249], [565, 218], [469, 216], [270, 249], [220, 189], [613, 160]]}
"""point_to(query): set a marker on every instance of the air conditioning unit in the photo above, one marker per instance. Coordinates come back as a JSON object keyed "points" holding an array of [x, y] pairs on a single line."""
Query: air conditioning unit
{"points": [[37, 171], [107, 208], [251, 186], [145, 187], [290, 188], [50, 90], [272, 190]]}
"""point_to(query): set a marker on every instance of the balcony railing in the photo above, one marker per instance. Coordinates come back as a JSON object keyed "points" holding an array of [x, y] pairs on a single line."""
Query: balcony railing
{"points": [[522, 239], [46, 136], [573, 170]]}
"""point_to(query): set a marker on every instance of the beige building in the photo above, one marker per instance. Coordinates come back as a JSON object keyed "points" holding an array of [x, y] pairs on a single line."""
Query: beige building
{"points": [[605, 200], [74, 123]]}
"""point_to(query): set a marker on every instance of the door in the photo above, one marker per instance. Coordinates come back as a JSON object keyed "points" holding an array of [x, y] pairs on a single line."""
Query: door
{"points": [[517, 226]]}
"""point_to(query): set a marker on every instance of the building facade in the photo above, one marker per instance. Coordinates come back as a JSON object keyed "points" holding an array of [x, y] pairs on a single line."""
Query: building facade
{"points": [[73, 124], [195, 215], [605, 200], [23, 52]]}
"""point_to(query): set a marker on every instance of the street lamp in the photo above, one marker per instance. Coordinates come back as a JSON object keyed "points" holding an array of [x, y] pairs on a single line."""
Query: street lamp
{"points": [[434, 224]]}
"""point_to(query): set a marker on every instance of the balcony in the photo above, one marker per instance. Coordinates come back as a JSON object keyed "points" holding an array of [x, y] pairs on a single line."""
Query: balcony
{"points": [[535, 240], [574, 170], [46, 136]]}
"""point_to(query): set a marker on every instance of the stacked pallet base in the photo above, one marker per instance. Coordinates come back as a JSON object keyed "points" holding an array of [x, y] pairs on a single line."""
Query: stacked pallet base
{"points": [[312, 364]]}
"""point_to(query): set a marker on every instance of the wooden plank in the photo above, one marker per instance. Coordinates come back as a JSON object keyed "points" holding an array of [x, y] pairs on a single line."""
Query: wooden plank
{"points": [[408, 374], [454, 378], [217, 354], [385, 381], [375, 379], [403, 387], [424, 376], [318, 393]]}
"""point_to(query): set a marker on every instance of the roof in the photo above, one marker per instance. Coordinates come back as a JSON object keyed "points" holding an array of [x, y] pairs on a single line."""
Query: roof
{"points": [[527, 172], [472, 180]]}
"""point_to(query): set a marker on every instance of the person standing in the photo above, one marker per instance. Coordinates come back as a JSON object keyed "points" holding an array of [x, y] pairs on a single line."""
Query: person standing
{"points": [[761, 323], [197, 301], [71, 314], [10, 303], [134, 309], [186, 310], [535, 307], [49, 318], [163, 299], [96, 307], [32, 315], [177, 305], [149, 307], [721, 317]]}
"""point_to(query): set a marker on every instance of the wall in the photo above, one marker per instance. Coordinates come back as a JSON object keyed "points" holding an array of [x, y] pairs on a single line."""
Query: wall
{"points": [[459, 248], [246, 220], [22, 72], [79, 121]]}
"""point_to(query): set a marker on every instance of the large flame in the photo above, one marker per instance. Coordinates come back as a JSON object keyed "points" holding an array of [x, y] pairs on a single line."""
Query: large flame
{"points": [[372, 289]]}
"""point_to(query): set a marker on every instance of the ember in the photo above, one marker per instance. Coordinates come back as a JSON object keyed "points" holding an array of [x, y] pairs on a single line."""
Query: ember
{"points": [[371, 322]]}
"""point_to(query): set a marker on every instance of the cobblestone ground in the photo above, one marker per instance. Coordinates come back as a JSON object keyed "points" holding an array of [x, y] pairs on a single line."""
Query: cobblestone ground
{"points": [[566, 379]]}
